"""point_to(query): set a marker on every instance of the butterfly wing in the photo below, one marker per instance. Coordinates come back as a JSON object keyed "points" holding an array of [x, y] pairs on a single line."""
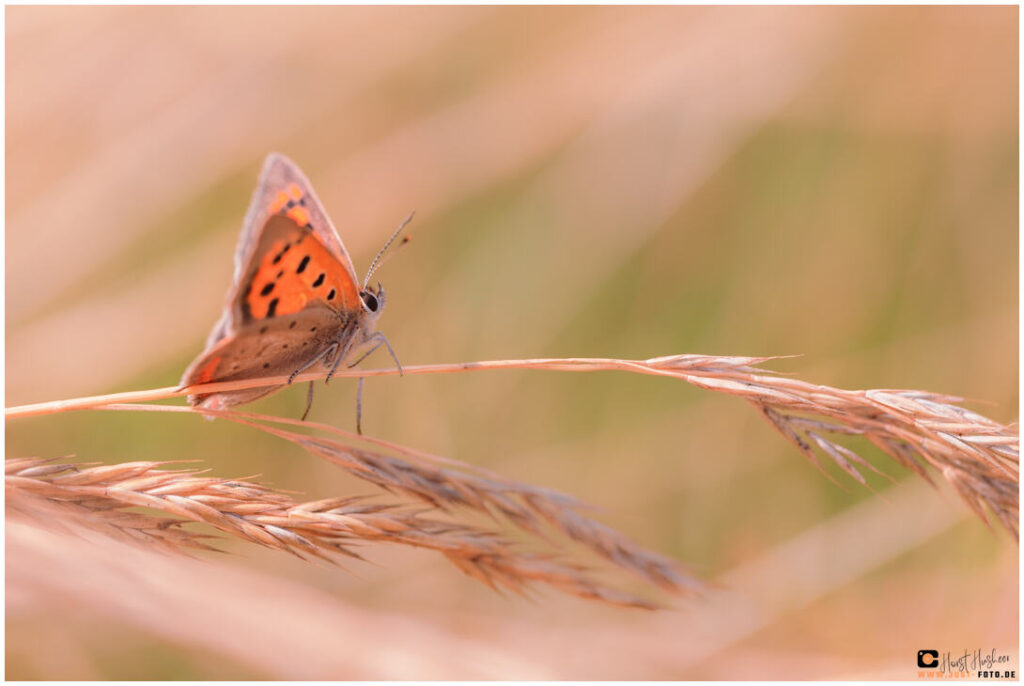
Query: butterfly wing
{"points": [[284, 191], [278, 347], [294, 292]]}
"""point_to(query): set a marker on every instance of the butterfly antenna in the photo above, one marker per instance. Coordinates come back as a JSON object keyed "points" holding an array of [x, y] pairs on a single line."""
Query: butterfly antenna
{"points": [[377, 262]]}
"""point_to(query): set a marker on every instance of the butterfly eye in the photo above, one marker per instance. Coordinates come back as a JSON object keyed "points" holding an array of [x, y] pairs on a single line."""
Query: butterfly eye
{"points": [[370, 301]]}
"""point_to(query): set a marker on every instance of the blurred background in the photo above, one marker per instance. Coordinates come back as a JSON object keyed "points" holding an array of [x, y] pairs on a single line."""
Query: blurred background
{"points": [[838, 183]]}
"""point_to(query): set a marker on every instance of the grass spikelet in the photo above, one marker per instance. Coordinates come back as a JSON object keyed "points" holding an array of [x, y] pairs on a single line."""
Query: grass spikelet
{"points": [[102, 497], [527, 507]]}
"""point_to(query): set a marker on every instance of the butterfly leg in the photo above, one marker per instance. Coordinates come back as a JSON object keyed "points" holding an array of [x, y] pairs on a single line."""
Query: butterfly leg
{"points": [[337, 363], [381, 340], [367, 353], [325, 354], [359, 408], [309, 401], [391, 351]]}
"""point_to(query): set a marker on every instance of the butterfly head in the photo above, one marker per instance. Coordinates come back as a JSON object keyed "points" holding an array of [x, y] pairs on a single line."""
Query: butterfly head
{"points": [[373, 300]]}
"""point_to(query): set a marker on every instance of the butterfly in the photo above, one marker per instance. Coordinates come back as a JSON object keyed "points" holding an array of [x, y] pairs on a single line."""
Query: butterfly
{"points": [[295, 304]]}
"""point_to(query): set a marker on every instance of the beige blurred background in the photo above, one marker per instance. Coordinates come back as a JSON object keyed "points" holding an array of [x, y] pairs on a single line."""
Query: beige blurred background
{"points": [[839, 183]]}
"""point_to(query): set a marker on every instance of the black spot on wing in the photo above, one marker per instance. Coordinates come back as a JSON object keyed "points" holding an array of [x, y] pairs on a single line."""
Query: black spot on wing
{"points": [[319, 280], [330, 296], [302, 265], [272, 307], [266, 290], [278, 256]]}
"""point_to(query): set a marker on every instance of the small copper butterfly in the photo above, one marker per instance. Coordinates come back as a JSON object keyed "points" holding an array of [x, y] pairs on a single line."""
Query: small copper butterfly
{"points": [[295, 304]]}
